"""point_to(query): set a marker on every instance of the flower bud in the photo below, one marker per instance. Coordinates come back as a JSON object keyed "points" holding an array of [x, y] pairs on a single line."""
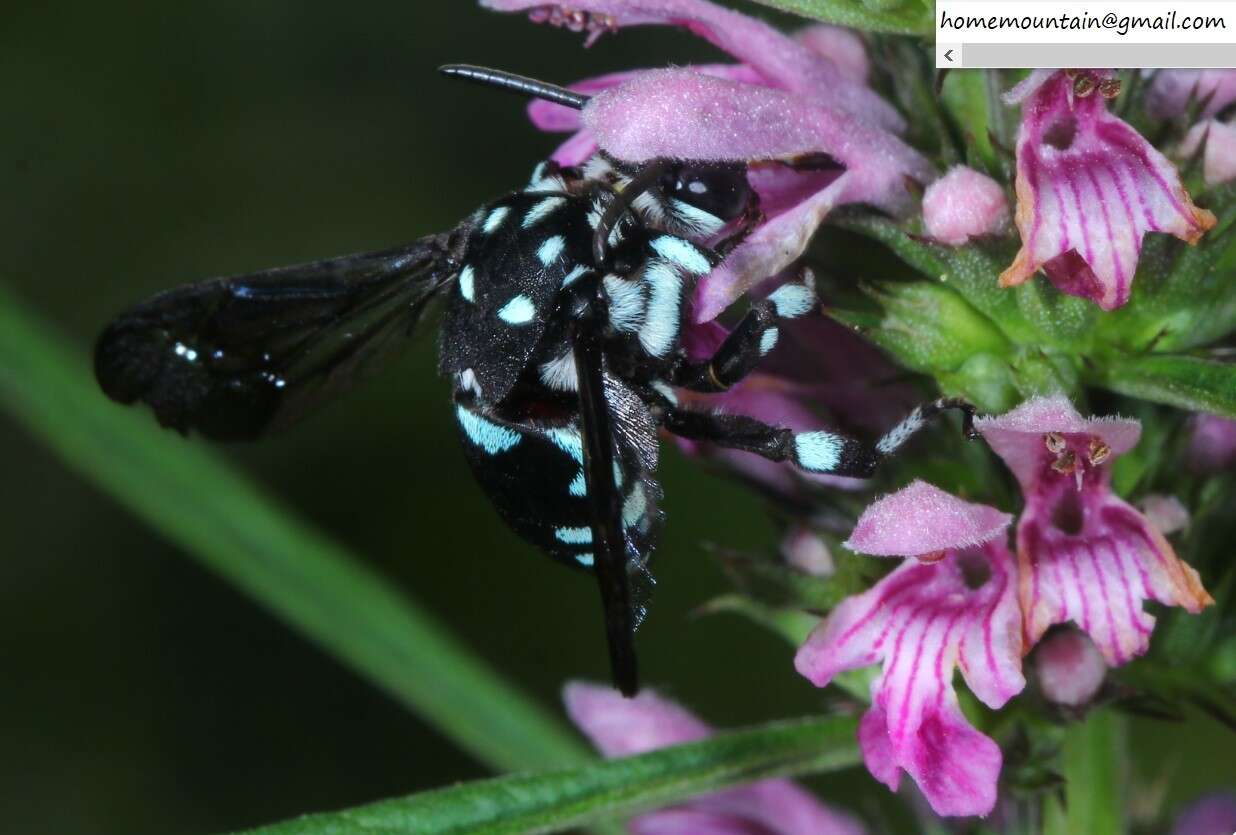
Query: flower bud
{"points": [[1070, 668], [803, 549], [1212, 449], [964, 204]]}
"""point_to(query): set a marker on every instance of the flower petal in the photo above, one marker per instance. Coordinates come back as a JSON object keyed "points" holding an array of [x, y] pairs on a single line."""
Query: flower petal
{"points": [[964, 204], [575, 151], [1099, 575], [1088, 188], [844, 47], [780, 60], [1017, 436], [1167, 513], [921, 621], [774, 246], [922, 519], [557, 118], [686, 114], [622, 727]]}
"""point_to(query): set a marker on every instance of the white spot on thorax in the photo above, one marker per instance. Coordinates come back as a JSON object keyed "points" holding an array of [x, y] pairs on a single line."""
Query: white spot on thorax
{"points": [[495, 219], [518, 311], [467, 283], [551, 249], [542, 210]]}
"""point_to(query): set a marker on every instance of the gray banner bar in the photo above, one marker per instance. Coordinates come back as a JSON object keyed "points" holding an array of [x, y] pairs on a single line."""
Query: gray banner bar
{"points": [[1097, 55]]}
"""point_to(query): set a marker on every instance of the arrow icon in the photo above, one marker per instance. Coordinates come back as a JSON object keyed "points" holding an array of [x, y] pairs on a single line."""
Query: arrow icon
{"points": [[948, 55]]}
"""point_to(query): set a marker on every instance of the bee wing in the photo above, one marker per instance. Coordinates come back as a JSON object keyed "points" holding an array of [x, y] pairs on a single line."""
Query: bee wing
{"points": [[236, 358], [605, 509]]}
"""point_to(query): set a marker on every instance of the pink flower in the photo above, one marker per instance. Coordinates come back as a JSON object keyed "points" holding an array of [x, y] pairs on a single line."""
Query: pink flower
{"points": [[1212, 449], [1219, 155], [621, 727], [1172, 91], [813, 136], [964, 204], [1070, 669], [1088, 189], [921, 621], [1085, 555]]}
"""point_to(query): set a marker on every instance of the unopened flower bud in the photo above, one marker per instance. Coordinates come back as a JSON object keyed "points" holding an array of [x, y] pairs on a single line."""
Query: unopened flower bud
{"points": [[964, 204], [1070, 668]]}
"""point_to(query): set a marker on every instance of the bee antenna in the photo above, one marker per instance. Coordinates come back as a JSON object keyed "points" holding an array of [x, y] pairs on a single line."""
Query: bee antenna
{"points": [[517, 84]]}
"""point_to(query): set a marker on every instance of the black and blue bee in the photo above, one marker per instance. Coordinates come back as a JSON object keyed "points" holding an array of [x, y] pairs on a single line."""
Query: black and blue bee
{"points": [[562, 337]]}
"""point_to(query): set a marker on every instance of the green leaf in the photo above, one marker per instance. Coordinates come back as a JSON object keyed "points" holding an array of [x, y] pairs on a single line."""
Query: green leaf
{"points": [[1094, 772], [297, 572], [1187, 382], [965, 96], [1036, 313], [896, 17], [930, 328], [1055, 822], [606, 791]]}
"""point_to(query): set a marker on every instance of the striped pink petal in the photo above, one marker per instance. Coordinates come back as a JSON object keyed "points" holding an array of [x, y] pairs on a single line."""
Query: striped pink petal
{"points": [[921, 622], [1084, 554], [780, 61], [1088, 557], [1088, 189], [923, 520], [621, 727]]}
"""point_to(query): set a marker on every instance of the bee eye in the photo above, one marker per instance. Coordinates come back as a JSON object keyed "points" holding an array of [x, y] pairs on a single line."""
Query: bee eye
{"points": [[721, 190]]}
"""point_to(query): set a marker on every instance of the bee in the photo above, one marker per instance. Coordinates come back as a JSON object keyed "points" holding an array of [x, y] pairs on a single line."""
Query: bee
{"points": [[566, 303]]}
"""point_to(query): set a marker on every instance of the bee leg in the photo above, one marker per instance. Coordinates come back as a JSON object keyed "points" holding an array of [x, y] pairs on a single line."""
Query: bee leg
{"points": [[750, 218], [752, 338], [817, 451]]}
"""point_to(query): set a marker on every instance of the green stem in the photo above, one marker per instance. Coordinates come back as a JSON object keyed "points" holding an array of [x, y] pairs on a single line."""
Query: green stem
{"points": [[1095, 755], [607, 791]]}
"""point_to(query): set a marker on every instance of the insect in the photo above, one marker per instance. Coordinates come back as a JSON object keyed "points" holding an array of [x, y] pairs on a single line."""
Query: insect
{"points": [[562, 336]]}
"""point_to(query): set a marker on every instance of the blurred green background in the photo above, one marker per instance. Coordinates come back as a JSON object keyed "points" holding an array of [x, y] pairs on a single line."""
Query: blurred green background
{"points": [[145, 146]]}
